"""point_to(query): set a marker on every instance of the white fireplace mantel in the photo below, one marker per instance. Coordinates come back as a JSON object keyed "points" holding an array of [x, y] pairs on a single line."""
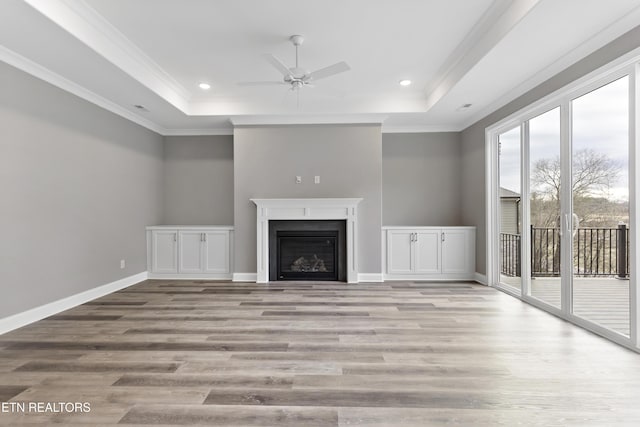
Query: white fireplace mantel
{"points": [[273, 209]]}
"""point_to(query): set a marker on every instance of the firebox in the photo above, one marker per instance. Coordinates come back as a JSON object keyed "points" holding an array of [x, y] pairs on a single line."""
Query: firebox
{"points": [[307, 250]]}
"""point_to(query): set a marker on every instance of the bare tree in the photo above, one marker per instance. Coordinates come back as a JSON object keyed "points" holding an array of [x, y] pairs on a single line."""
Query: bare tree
{"points": [[593, 175]]}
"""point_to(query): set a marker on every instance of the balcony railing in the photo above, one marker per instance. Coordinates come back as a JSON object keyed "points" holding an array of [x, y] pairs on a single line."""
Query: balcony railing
{"points": [[596, 252]]}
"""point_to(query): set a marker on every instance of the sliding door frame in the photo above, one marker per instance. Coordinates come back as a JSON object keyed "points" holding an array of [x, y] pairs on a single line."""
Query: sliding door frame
{"points": [[627, 65]]}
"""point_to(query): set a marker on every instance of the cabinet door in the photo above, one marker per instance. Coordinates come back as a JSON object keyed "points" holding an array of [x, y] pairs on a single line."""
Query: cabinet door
{"points": [[455, 251], [216, 252], [191, 243], [164, 251], [427, 252], [399, 252]]}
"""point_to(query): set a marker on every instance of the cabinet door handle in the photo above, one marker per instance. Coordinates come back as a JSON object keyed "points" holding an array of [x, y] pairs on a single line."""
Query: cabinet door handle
{"points": [[443, 236], [175, 237], [204, 237], [412, 239], [416, 234]]}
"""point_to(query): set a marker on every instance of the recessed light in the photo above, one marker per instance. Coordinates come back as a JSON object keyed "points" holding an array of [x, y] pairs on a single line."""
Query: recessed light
{"points": [[204, 86], [405, 82]]}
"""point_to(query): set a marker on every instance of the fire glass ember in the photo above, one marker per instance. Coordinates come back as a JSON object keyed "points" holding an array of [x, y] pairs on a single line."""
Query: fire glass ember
{"points": [[303, 264]]}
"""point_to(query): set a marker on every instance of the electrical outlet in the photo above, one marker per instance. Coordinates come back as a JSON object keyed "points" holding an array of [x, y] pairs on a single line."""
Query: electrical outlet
{"points": [[316, 180], [298, 179], [122, 263]]}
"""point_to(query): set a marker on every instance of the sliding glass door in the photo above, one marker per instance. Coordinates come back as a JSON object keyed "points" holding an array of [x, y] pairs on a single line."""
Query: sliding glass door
{"points": [[600, 201], [510, 208], [562, 223], [545, 194]]}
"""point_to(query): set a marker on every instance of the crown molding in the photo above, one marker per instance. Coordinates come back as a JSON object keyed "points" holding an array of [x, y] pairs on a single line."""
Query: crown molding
{"points": [[20, 62], [420, 129], [492, 27], [308, 119], [599, 40], [198, 132], [85, 24]]}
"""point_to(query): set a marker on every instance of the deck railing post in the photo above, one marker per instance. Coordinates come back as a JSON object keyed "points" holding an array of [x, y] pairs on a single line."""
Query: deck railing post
{"points": [[621, 251]]}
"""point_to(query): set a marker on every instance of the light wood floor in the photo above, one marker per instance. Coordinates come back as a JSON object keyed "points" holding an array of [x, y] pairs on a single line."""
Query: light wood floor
{"points": [[317, 354]]}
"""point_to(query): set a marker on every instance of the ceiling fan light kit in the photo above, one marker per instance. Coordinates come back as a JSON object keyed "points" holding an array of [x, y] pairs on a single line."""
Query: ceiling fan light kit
{"points": [[298, 77]]}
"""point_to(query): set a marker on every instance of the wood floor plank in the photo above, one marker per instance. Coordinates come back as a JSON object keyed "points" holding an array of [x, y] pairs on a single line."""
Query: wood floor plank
{"points": [[231, 416], [9, 391], [318, 354]]}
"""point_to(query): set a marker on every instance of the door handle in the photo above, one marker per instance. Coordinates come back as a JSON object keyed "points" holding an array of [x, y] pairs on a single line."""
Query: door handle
{"points": [[443, 236]]}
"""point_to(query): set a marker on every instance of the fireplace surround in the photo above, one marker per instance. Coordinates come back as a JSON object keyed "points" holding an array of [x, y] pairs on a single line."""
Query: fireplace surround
{"points": [[268, 210]]}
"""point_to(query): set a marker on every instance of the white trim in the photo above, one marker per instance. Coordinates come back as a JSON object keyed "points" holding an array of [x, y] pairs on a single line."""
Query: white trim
{"points": [[601, 39], [370, 277], [436, 277], [306, 209], [33, 315], [191, 227], [492, 207], [420, 129], [245, 277], [190, 276], [28, 66], [198, 132], [499, 19], [307, 119], [88, 26], [569, 91], [627, 64], [480, 278], [634, 214]]}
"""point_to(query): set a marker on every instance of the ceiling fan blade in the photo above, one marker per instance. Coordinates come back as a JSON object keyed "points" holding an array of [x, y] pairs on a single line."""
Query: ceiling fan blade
{"points": [[269, 83], [329, 71], [277, 64]]}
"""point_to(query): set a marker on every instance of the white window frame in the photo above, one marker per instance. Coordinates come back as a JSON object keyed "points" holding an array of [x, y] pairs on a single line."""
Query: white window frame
{"points": [[628, 64]]}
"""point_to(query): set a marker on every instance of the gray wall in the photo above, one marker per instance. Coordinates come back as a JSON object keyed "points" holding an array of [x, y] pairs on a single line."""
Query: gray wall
{"points": [[421, 179], [78, 186], [198, 180], [347, 157], [473, 153]]}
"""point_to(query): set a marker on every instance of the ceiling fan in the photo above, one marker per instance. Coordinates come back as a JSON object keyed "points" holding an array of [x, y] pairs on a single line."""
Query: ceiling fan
{"points": [[298, 77]]}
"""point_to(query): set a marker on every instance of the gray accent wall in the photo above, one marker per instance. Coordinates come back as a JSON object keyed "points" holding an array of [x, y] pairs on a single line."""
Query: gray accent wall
{"points": [[78, 186], [198, 180], [421, 179], [473, 138], [348, 159]]}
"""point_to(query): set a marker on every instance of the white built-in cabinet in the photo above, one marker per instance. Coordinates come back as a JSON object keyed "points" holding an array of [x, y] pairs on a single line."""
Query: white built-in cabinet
{"points": [[429, 253], [190, 252]]}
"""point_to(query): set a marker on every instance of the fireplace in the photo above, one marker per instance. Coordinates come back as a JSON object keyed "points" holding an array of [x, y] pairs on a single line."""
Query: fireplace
{"points": [[307, 250]]}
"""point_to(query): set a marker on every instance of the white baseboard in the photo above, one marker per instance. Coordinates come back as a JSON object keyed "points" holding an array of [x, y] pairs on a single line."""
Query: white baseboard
{"points": [[187, 276], [245, 277], [370, 277], [33, 315], [480, 278]]}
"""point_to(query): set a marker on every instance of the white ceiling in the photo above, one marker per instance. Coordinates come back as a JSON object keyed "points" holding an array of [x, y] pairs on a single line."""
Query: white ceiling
{"points": [[121, 53]]}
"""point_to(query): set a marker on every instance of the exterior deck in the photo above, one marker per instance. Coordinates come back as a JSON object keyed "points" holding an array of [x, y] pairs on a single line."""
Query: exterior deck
{"points": [[603, 300]]}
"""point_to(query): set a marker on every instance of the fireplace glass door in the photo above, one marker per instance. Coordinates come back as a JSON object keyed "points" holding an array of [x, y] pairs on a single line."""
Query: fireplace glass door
{"points": [[304, 255]]}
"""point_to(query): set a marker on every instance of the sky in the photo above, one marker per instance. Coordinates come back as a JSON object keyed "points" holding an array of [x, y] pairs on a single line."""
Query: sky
{"points": [[600, 123]]}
